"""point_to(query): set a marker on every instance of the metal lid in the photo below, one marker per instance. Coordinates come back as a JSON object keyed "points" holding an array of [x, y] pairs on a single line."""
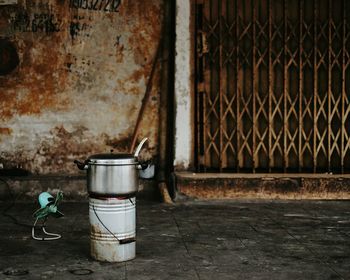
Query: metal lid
{"points": [[112, 159]]}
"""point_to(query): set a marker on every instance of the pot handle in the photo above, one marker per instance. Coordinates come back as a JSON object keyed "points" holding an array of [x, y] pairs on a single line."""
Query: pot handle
{"points": [[81, 165], [142, 165], [139, 147], [127, 240]]}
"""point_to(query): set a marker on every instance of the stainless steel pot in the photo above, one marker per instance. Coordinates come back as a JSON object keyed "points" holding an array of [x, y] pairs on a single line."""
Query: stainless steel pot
{"points": [[112, 174]]}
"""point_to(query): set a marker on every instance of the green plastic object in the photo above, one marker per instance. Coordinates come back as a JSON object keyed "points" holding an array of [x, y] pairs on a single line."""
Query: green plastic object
{"points": [[45, 198], [48, 206]]}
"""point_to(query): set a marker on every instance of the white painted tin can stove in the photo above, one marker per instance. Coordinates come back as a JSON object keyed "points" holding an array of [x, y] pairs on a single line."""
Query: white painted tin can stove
{"points": [[112, 229]]}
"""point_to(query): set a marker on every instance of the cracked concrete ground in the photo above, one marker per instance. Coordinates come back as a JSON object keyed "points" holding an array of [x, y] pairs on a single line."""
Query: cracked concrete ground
{"points": [[232, 239]]}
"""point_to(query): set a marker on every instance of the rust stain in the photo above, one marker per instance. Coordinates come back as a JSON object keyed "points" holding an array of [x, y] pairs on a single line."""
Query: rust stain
{"points": [[140, 73], [128, 87], [144, 40], [52, 67], [121, 144], [207, 193], [143, 72], [298, 188], [143, 13], [53, 153], [56, 155], [39, 81], [5, 130], [95, 230], [51, 156], [145, 31], [119, 53]]}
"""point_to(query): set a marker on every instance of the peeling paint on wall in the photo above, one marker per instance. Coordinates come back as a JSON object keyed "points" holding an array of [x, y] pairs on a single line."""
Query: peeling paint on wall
{"points": [[80, 80]]}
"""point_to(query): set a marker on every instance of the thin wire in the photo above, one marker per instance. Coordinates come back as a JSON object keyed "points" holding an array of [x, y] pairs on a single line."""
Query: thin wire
{"points": [[12, 204]]}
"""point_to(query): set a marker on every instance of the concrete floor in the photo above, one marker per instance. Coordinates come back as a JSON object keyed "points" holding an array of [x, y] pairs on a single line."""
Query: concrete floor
{"points": [[192, 240]]}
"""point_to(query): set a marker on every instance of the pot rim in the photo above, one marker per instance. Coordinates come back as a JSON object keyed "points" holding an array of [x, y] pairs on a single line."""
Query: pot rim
{"points": [[112, 159], [112, 162]]}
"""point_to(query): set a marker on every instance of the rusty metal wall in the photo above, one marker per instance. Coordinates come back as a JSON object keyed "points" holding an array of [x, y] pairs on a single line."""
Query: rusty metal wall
{"points": [[273, 82], [72, 78]]}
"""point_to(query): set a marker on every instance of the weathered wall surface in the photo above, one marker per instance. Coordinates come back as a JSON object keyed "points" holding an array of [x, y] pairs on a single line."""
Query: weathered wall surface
{"points": [[183, 120], [82, 72]]}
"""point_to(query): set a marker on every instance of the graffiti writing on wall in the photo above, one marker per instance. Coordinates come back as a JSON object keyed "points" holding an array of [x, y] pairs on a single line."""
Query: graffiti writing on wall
{"points": [[76, 27], [96, 5], [37, 22]]}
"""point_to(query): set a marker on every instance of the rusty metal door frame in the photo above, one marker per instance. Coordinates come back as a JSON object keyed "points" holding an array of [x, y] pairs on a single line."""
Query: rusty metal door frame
{"points": [[272, 86]]}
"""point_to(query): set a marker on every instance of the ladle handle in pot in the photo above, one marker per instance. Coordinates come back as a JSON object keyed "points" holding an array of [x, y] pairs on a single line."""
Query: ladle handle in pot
{"points": [[139, 147]]}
